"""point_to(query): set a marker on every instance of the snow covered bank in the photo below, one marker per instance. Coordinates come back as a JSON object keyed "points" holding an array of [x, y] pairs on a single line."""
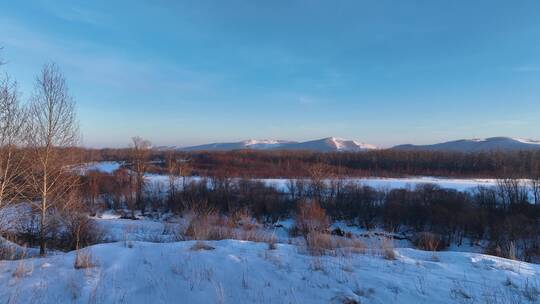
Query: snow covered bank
{"points": [[246, 272]]}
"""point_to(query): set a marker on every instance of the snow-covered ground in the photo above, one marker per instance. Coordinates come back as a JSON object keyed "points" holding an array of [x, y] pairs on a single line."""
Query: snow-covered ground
{"points": [[281, 184], [460, 184], [246, 272], [106, 167]]}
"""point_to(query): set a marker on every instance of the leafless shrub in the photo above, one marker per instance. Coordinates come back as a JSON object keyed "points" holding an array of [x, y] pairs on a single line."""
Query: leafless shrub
{"points": [[310, 217], [79, 229], [208, 225], [242, 219], [428, 241], [204, 225]]}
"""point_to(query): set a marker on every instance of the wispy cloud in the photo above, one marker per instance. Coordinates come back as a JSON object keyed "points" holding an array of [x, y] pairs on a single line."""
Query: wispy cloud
{"points": [[102, 65], [527, 68], [306, 100], [74, 12]]}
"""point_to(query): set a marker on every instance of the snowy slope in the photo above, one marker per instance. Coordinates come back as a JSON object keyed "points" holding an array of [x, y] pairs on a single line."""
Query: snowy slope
{"points": [[478, 145], [246, 272], [330, 144], [246, 144]]}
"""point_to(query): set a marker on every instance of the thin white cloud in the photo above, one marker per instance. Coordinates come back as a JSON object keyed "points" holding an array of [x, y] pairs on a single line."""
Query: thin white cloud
{"points": [[527, 68], [102, 65], [73, 11]]}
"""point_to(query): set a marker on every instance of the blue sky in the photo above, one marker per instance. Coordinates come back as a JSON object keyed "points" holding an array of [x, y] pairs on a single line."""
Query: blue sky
{"points": [[190, 72]]}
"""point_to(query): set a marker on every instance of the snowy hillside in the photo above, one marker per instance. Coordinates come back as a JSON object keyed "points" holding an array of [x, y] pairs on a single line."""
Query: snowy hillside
{"points": [[246, 144], [330, 144], [478, 145], [231, 271]]}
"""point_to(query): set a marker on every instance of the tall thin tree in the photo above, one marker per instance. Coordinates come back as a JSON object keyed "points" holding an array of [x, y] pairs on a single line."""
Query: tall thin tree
{"points": [[53, 128], [139, 153], [11, 134]]}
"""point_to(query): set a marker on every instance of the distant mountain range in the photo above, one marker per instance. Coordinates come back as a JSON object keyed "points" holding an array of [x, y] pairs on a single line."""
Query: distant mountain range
{"points": [[334, 144], [329, 144], [477, 145]]}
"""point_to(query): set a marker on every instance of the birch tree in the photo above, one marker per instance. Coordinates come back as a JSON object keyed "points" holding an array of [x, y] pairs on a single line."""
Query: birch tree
{"points": [[53, 129], [11, 134]]}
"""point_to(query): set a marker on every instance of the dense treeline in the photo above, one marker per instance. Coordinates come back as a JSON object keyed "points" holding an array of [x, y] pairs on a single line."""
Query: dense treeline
{"points": [[372, 163]]}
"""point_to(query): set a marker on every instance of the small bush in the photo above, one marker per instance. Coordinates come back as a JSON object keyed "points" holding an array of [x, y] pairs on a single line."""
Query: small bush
{"points": [[429, 241], [310, 217]]}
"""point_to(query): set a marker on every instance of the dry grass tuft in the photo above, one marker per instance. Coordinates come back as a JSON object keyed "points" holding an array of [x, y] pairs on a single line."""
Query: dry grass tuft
{"points": [[84, 259], [387, 249], [319, 243], [199, 245]]}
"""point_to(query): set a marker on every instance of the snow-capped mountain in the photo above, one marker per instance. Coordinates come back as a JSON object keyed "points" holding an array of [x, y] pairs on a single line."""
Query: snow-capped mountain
{"points": [[264, 144], [330, 144], [478, 145]]}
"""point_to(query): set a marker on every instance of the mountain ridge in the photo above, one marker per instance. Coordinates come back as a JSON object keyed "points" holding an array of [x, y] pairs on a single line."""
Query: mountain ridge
{"points": [[499, 143], [328, 144], [336, 144]]}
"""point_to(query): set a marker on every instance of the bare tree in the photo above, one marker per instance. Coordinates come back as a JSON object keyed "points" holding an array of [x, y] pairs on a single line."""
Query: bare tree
{"points": [[53, 128], [512, 191], [184, 170], [317, 174], [173, 175], [139, 153], [11, 134]]}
